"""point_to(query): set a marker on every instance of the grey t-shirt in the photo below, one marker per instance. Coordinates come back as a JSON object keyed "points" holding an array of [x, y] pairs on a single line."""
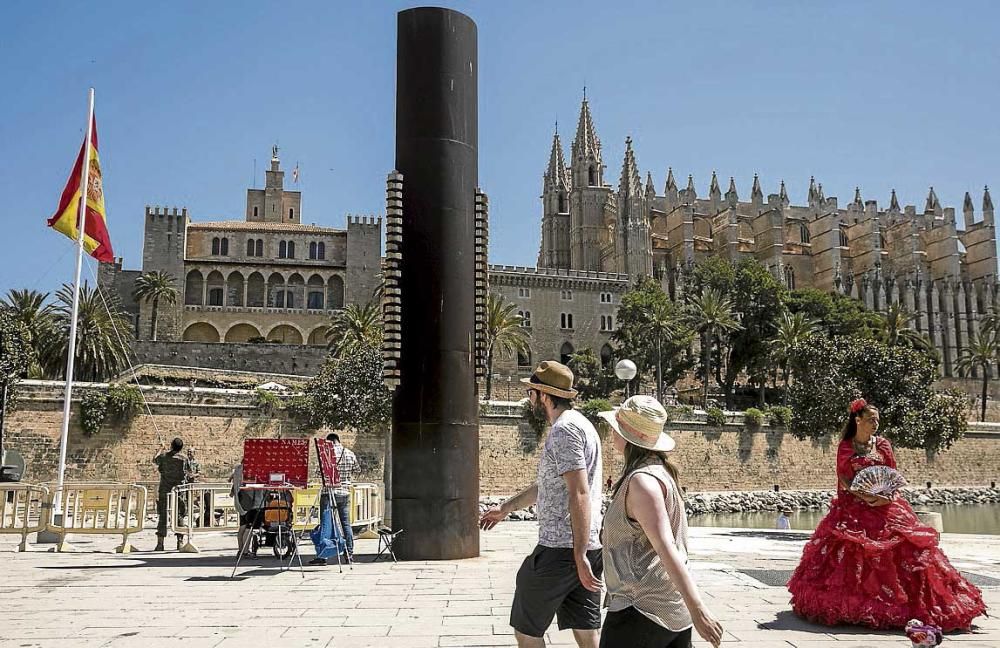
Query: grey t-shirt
{"points": [[572, 444]]}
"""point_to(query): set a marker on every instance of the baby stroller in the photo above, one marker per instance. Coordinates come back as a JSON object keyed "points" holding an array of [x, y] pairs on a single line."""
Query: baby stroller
{"points": [[265, 518]]}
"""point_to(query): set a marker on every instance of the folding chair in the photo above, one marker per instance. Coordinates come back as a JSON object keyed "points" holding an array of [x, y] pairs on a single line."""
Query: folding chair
{"points": [[386, 537]]}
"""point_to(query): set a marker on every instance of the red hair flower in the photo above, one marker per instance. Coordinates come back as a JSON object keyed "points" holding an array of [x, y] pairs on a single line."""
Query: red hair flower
{"points": [[858, 405]]}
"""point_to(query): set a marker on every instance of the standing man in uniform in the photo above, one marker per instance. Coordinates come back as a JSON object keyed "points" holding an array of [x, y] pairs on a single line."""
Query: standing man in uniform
{"points": [[174, 468], [562, 576]]}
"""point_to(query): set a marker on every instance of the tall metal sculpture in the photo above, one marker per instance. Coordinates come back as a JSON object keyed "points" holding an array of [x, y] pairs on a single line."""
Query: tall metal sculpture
{"points": [[435, 418]]}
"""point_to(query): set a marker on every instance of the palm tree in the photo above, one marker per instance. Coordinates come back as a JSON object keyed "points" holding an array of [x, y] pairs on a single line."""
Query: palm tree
{"points": [[504, 334], [353, 327], [897, 327], [793, 328], [711, 314], [30, 307], [154, 286], [980, 355], [103, 335], [660, 325]]}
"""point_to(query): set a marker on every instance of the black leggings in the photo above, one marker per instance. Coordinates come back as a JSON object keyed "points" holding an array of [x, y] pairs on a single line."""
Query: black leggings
{"points": [[629, 628]]}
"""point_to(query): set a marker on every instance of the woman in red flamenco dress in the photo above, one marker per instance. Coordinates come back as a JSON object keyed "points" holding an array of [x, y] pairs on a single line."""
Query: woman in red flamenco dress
{"points": [[870, 561]]}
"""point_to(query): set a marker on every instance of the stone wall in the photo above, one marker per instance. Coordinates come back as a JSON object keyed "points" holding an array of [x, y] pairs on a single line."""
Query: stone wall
{"points": [[292, 359], [215, 421]]}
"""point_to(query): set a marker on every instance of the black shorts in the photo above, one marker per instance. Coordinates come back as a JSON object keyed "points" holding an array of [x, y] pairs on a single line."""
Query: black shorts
{"points": [[630, 628], [547, 586]]}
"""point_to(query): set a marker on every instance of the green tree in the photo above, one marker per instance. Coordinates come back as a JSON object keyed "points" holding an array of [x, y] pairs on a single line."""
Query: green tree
{"points": [[829, 373], [792, 330], [353, 328], [348, 392], [15, 357], [837, 314], [31, 310], [980, 355], [155, 287], [104, 335], [504, 334], [652, 331], [710, 314], [590, 378]]}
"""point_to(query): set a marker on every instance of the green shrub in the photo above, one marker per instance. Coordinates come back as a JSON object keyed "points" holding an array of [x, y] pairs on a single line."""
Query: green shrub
{"points": [[266, 402], [124, 402], [779, 416], [591, 408], [753, 418], [300, 409], [93, 412], [679, 412], [715, 417]]}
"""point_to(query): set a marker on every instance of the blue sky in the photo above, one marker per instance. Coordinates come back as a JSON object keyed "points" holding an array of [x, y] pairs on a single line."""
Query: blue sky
{"points": [[880, 95]]}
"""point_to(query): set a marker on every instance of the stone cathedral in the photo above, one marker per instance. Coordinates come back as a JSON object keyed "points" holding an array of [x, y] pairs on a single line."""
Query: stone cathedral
{"points": [[946, 276]]}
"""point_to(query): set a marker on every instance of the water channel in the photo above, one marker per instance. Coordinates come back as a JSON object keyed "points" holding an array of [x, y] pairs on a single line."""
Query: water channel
{"points": [[974, 518]]}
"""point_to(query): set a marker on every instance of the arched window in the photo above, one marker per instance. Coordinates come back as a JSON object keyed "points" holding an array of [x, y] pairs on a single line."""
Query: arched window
{"points": [[225, 247], [282, 250], [250, 247], [322, 251], [255, 212], [291, 249], [260, 247], [607, 356], [291, 214], [790, 277], [312, 250], [523, 359], [315, 300], [565, 352], [804, 233], [843, 237], [215, 245], [591, 176], [215, 296], [562, 203]]}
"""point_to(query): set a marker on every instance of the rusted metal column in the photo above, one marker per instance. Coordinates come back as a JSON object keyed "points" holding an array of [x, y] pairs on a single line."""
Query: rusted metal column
{"points": [[435, 417]]}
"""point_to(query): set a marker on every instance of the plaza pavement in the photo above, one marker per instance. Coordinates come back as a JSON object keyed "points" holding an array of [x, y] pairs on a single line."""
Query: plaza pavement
{"points": [[97, 598]]}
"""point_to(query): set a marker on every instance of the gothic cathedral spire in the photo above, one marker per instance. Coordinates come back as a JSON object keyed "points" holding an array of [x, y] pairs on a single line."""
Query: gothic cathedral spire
{"points": [[588, 168]]}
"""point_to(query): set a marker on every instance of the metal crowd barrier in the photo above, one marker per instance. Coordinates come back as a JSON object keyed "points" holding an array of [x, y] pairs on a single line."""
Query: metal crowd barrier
{"points": [[98, 509], [201, 507], [24, 509], [366, 505]]}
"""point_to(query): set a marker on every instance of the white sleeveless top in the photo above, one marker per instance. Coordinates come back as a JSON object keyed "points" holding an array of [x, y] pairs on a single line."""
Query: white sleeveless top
{"points": [[632, 570]]}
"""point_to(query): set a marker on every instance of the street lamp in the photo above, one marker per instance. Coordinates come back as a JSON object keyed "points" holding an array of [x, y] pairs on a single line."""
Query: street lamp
{"points": [[625, 370]]}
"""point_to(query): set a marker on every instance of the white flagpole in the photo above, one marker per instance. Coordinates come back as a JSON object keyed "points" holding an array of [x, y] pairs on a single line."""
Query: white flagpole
{"points": [[71, 354]]}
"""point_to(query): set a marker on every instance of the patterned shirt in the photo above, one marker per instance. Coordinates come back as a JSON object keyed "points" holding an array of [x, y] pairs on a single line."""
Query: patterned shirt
{"points": [[572, 444], [347, 467]]}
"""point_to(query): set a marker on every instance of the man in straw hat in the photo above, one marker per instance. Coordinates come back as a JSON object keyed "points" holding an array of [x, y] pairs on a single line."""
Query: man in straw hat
{"points": [[561, 577]]}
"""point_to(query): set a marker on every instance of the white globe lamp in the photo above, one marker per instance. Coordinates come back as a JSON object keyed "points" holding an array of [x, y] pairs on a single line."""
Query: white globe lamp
{"points": [[626, 370]]}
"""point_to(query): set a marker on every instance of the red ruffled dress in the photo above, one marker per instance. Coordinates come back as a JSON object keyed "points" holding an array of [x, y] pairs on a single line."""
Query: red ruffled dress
{"points": [[878, 566]]}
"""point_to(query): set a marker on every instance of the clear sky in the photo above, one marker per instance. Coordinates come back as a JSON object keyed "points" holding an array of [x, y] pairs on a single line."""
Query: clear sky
{"points": [[189, 94]]}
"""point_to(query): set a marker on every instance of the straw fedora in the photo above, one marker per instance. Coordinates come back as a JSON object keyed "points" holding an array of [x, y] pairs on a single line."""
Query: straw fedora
{"points": [[640, 421], [552, 378]]}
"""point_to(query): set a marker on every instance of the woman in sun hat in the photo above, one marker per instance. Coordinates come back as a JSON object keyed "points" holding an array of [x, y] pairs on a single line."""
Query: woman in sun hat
{"points": [[652, 599]]}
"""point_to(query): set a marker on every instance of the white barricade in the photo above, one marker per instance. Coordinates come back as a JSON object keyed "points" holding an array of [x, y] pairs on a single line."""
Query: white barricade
{"points": [[201, 508], [366, 505], [117, 509], [23, 509]]}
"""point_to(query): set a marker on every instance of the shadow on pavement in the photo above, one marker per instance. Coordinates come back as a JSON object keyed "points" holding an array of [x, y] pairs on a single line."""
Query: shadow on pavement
{"points": [[788, 620], [773, 535]]}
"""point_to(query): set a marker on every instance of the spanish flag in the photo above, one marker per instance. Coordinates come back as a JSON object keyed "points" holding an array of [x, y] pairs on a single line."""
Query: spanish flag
{"points": [[96, 240]]}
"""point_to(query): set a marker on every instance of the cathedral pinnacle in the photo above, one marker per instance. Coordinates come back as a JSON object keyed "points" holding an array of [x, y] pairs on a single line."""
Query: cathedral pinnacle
{"points": [[893, 202], [987, 201], [755, 192], [857, 197], [690, 186], [555, 174], [933, 204], [650, 189], [586, 144], [713, 187], [671, 183], [783, 193], [967, 203], [631, 181]]}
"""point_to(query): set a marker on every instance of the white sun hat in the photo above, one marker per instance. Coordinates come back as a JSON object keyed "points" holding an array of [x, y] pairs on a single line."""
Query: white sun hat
{"points": [[640, 421]]}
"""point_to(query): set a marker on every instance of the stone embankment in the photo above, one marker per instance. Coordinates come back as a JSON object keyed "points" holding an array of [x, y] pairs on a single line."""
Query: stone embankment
{"points": [[753, 501]]}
